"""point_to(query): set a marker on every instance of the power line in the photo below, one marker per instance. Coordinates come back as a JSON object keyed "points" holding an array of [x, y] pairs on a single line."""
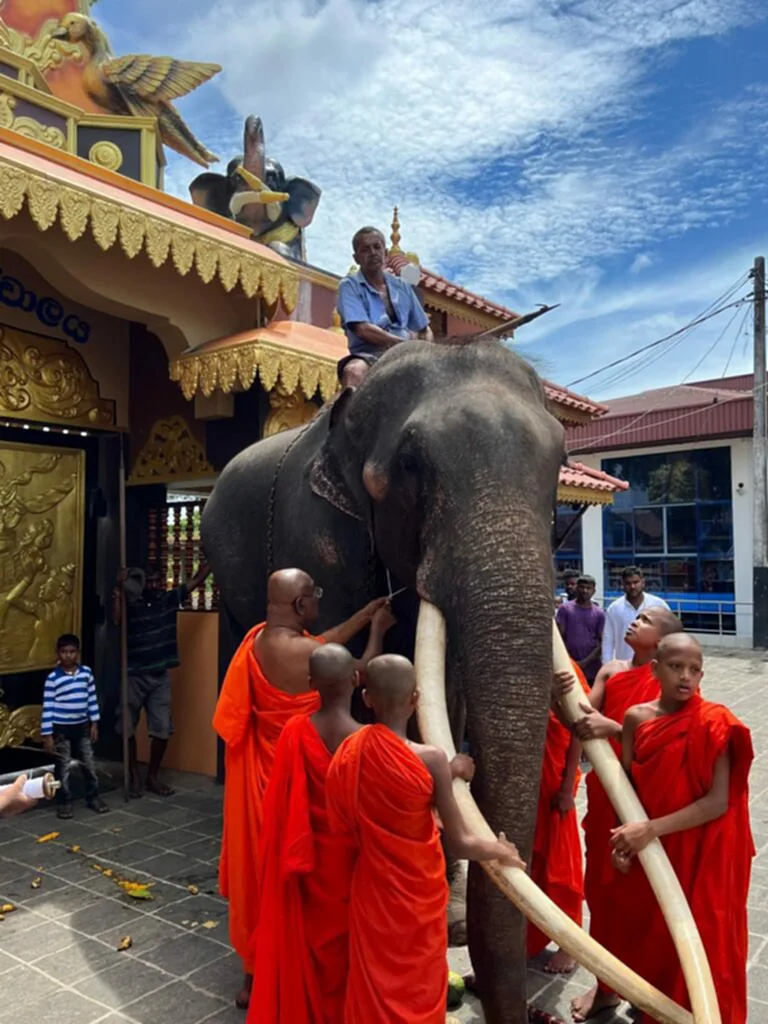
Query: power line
{"points": [[668, 394], [708, 313]]}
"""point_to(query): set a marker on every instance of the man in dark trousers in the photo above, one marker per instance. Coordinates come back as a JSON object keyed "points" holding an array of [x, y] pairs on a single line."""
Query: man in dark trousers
{"points": [[152, 653]]}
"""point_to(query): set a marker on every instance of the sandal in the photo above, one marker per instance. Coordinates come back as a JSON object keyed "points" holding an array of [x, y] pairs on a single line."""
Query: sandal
{"points": [[64, 811], [98, 806]]}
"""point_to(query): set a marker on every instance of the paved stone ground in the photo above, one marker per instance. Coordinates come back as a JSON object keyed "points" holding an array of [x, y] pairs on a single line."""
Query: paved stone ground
{"points": [[58, 951]]}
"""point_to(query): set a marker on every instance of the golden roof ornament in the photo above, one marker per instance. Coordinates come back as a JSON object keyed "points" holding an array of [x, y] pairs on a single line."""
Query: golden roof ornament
{"points": [[395, 236], [139, 84]]}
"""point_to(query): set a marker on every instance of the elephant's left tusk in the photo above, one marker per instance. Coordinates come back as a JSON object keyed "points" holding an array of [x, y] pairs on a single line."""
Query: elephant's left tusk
{"points": [[661, 875], [514, 883]]}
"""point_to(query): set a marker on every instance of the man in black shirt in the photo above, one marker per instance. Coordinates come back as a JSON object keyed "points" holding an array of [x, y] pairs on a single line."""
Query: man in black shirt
{"points": [[152, 653]]}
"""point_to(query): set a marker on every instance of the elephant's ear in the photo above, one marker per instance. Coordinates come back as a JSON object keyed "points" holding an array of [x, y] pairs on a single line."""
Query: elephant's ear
{"points": [[333, 475], [303, 202]]}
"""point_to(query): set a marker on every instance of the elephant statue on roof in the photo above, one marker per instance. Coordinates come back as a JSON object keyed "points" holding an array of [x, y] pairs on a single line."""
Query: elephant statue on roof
{"points": [[256, 192]]}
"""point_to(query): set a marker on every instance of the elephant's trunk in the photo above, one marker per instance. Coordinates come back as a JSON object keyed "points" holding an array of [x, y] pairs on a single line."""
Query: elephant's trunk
{"points": [[513, 883]]}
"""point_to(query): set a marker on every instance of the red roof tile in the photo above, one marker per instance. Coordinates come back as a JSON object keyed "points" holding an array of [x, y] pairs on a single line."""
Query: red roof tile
{"points": [[576, 474], [432, 282]]}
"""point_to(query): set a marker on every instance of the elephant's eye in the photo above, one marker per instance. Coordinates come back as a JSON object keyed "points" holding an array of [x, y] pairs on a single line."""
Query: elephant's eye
{"points": [[408, 461]]}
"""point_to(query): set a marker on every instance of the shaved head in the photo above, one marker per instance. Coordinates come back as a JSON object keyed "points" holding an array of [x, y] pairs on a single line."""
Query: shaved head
{"points": [[331, 663], [665, 621], [391, 682], [675, 643], [288, 584]]}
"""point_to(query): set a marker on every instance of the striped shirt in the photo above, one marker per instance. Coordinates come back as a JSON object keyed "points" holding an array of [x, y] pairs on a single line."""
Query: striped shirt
{"points": [[152, 646], [69, 699]]}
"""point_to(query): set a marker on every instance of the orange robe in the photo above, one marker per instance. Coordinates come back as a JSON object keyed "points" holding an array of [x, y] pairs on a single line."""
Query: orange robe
{"points": [[302, 938], [622, 691], [380, 791], [673, 766], [249, 718], [556, 864]]}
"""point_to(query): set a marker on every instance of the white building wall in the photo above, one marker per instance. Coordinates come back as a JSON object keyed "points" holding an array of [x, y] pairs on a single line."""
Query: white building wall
{"points": [[741, 488]]}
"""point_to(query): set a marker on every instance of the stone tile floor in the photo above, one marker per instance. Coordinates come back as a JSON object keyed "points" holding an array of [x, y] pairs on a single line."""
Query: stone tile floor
{"points": [[59, 960]]}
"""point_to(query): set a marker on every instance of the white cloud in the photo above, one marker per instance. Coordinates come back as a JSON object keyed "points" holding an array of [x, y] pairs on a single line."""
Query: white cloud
{"points": [[505, 130], [641, 262]]}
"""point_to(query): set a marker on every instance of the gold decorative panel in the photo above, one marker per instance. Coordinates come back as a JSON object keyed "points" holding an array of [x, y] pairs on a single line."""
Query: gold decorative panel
{"points": [[19, 725], [287, 411], [76, 210], [42, 379], [42, 525], [171, 454], [28, 126]]}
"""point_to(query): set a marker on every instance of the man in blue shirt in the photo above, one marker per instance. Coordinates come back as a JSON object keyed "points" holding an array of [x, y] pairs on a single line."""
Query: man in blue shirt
{"points": [[378, 310]]}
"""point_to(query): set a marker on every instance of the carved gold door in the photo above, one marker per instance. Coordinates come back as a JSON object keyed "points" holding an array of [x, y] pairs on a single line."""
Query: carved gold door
{"points": [[42, 524]]}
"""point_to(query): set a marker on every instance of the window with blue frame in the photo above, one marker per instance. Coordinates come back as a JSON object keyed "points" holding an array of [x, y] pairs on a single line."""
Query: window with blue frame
{"points": [[569, 554], [676, 521]]}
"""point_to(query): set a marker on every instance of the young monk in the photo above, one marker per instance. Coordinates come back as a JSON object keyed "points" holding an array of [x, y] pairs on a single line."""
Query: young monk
{"points": [[556, 864], [618, 686], [302, 937], [383, 789], [265, 685], [689, 760]]}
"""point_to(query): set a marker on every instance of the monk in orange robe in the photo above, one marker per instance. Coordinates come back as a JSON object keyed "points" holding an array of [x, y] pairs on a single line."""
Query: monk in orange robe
{"points": [[689, 760], [556, 864], [383, 790], [618, 686], [265, 685], [302, 937]]}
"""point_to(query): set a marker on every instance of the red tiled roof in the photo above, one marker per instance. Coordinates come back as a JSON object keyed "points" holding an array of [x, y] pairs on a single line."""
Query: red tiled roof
{"points": [[432, 282], [696, 411], [576, 474], [569, 399]]}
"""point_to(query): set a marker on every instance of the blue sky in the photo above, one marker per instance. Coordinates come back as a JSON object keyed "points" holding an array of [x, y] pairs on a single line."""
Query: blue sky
{"points": [[609, 155]]}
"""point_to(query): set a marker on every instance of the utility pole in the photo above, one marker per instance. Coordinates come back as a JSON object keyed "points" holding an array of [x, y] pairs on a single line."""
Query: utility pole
{"points": [[759, 453]]}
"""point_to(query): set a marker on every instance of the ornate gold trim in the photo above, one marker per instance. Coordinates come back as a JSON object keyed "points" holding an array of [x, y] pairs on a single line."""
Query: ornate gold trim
{"points": [[106, 154], [226, 367], [44, 52], [568, 495], [568, 415], [171, 453], [20, 724], [47, 198], [44, 380], [287, 411], [460, 310], [28, 126]]}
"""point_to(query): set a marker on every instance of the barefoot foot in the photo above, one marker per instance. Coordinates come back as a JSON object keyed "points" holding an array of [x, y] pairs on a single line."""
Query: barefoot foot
{"points": [[560, 963], [593, 1002], [244, 995]]}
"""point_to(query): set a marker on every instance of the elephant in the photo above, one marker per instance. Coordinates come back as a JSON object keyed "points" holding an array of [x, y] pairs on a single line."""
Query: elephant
{"points": [[440, 469], [287, 205]]}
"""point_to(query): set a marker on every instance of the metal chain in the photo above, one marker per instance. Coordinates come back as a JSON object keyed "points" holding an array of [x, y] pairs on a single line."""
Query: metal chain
{"points": [[272, 497]]}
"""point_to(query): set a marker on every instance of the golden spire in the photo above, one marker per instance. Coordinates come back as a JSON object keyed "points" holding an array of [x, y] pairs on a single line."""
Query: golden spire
{"points": [[395, 236], [336, 323]]}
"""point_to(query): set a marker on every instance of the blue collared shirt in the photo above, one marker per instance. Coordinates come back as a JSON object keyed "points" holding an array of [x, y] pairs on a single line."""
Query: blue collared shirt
{"points": [[360, 303]]}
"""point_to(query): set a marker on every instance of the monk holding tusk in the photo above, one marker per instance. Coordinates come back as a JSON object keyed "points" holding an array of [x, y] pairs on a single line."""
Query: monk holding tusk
{"points": [[265, 685], [689, 760], [383, 789], [618, 686]]}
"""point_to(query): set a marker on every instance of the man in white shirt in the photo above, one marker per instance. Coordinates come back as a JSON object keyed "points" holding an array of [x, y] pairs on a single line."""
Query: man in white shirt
{"points": [[623, 612]]}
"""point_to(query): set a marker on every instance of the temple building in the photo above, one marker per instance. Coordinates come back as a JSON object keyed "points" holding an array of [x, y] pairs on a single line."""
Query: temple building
{"points": [[145, 340]]}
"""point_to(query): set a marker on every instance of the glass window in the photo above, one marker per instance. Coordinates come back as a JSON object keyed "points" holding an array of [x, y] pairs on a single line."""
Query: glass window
{"points": [[564, 522], [681, 528], [676, 521], [618, 530], [716, 529], [649, 529]]}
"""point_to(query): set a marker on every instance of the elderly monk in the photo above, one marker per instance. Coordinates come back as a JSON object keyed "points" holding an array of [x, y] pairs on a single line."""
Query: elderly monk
{"points": [[556, 863], [619, 685], [689, 760], [302, 937], [383, 790], [266, 684]]}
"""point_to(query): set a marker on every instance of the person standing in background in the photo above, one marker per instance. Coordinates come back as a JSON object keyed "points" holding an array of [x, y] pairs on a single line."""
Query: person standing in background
{"points": [[581, 623], [622, 613]]}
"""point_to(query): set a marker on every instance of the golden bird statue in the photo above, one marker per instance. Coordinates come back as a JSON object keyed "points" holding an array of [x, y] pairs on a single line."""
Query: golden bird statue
{"points": [[139, 84]]}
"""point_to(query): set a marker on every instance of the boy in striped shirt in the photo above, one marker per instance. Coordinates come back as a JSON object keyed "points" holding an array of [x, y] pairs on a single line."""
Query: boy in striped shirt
{"points": [[69, 723]]}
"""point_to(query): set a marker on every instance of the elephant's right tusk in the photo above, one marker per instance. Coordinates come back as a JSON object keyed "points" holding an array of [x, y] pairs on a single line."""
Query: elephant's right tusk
{"points": [[514, 883], [661, 875]]}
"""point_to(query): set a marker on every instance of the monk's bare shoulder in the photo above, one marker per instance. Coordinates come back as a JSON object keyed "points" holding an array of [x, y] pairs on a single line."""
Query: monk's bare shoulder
{"points": [[641, 713], [434, 758], [612, 668]]}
